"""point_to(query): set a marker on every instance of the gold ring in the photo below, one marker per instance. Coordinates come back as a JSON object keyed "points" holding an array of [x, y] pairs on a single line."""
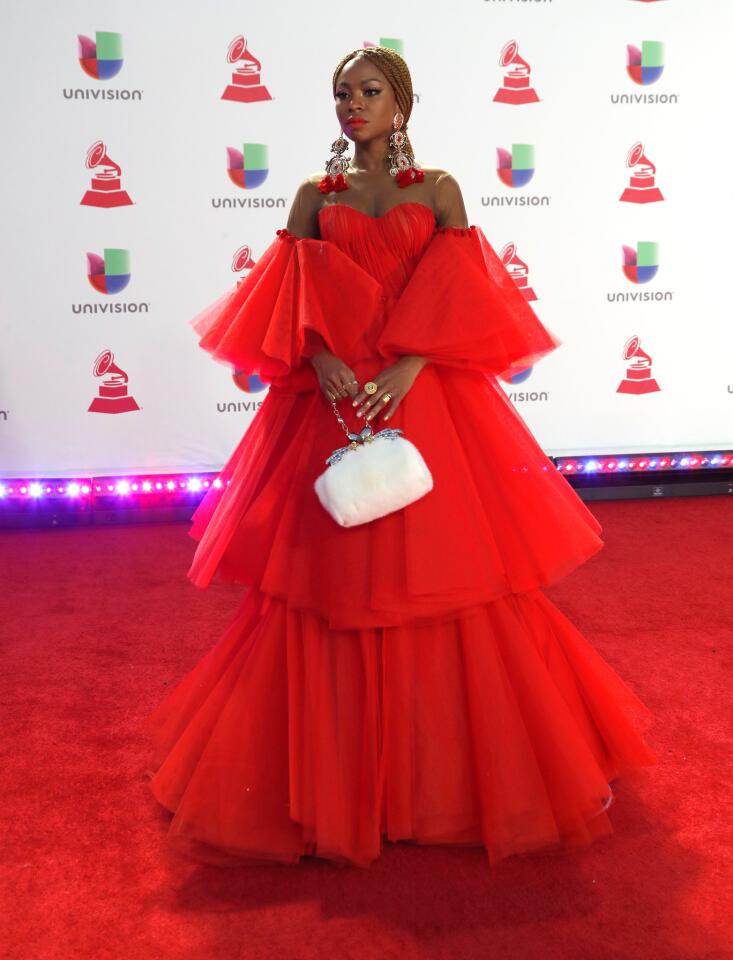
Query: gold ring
{"points": [[386, 397], [370, 387]]}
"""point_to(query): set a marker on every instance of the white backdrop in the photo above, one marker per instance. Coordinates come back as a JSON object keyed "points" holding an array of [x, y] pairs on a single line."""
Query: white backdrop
{"points": [[164, 122]]}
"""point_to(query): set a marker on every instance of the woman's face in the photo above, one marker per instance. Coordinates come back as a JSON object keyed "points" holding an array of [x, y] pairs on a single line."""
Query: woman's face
{"points": [[365, 101]]}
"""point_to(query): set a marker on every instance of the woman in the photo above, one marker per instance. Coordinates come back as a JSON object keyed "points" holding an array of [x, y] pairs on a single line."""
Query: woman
{"points": [[403, 678]]}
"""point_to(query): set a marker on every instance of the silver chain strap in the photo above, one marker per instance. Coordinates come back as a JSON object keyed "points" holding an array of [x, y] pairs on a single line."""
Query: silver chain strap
{"points": [[349, 433], [365, 435]]}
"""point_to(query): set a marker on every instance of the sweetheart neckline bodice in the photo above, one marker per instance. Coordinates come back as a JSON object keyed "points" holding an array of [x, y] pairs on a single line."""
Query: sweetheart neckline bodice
{"points": [[387, 246], [378, 216]]}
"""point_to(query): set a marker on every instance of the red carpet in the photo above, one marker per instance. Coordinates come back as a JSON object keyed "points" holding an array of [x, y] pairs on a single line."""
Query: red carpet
{"points": [[98, 623]]}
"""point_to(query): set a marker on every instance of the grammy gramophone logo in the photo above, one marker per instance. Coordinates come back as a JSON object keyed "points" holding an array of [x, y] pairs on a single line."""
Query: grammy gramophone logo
{"points": [[242, 261], [101, 58], [516, 87], [246, 84], [106, 188], [112, 395], [642, 187], [517, 270], [638, 377]]}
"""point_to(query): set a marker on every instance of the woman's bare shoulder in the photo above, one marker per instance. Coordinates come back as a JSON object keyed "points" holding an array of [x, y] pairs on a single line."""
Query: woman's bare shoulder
{"points": [[447, 197], [440, 178], [307, 192]]}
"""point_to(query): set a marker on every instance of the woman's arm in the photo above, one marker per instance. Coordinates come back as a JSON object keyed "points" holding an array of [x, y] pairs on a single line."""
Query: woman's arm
{"points": [[335, 378], [449, 212], [303, 216], [303, 222]]}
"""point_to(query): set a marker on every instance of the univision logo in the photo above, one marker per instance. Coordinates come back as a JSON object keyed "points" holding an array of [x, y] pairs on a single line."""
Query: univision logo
{"points": [[515, 377], [248, 382], [239, 406], [248, 169], [515, 168], [645, 65], [640, 264], [100, 59], [109, 274], [394, 43]]}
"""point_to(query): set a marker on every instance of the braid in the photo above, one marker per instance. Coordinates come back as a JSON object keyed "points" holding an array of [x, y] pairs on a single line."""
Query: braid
{"points": [[397, 73]]}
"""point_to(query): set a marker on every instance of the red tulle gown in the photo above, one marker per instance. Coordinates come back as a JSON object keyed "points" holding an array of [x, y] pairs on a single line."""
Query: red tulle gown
{"points": [[406, 678]]}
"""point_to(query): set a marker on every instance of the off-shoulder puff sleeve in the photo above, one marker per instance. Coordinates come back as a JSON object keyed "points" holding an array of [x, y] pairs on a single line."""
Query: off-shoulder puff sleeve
{"points": [[295, 289], [462, 308]]}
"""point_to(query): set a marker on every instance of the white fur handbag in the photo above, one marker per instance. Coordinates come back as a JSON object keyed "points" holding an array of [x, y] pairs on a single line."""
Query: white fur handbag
{"points": [[375, 474]]}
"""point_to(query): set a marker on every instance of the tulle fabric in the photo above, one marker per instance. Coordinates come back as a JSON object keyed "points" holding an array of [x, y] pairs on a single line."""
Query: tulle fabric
{"points": [[411, 288], [500, 726], [405, 678], [499, 518], [490, 327], [296, 288]]}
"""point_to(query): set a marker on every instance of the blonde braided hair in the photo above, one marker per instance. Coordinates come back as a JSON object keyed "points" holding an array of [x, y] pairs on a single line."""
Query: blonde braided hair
{"points": [[397, 73]]}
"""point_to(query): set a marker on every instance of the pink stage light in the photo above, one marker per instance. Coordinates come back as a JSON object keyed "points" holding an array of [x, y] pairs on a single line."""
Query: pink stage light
{"points": [[132, 485]]}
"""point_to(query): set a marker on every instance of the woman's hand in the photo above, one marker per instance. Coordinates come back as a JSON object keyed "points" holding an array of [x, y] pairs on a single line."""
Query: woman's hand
{"points": [[336, 378], [393, 381]]}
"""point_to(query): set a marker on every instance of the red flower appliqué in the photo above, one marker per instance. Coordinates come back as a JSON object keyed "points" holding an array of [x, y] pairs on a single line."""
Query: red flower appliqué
{"points": [[407, 177], [331, 184]]}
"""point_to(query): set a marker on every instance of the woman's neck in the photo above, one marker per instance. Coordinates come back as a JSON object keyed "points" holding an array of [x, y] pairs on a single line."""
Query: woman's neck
{"points": [[370, 157]]}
